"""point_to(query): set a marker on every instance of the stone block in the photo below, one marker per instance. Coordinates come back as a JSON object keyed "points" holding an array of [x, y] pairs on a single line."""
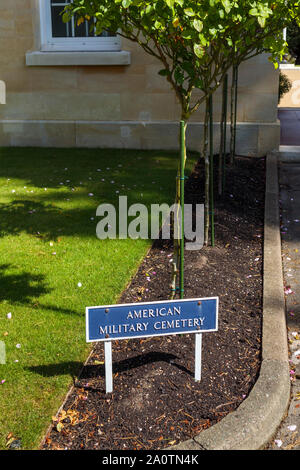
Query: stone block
{"points": [[37, 134], [258, 107], [107, 135], [159, 106], [247, 139], [252, 139], [268, 138], [111, 79]]}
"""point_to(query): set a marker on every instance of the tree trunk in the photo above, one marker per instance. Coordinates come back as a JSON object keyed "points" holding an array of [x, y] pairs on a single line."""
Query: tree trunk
{"points": [[223, 133], [207, 173], [221, 151], [232, 115], [236, 78], [211, 171], [177, 239]]}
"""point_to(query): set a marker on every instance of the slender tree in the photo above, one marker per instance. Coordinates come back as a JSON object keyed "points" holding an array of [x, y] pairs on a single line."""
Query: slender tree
{"points": [[223, 138], [196, 43]]}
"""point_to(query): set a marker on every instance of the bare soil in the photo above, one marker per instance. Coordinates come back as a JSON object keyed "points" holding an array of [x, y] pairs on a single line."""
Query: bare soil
{"points": [[156, 402]]}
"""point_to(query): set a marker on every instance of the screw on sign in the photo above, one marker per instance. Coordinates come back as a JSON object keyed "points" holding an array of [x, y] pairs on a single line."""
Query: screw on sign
{"points": [[140, 320]]}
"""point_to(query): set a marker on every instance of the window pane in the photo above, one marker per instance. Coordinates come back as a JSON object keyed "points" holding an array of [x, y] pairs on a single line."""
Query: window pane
{"points": [[70, 29], [59, 28], [87, 29], [81, 31]]}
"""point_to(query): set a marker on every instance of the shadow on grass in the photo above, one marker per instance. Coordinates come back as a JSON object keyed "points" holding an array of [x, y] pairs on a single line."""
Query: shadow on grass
{"points": [[43, 220], [144, 176], [25, 288], [21, 288], [71, 175], [92, 371], [50, 167]]}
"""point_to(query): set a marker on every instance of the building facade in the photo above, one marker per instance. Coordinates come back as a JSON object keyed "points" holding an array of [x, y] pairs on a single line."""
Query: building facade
{"points": [[292, 98], [66, 87]]}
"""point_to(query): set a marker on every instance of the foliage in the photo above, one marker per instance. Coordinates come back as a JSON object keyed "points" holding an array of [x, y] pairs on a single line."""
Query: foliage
{"points": [[293, 39], [196, 41], [285, 85]]}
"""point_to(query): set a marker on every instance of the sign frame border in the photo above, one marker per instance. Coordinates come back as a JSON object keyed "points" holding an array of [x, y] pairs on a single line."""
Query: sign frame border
{"points": [[88, 340]]}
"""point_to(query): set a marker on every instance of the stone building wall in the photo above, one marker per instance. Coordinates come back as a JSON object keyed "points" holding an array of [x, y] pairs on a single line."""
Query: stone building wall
{"points": [[90, 99]]}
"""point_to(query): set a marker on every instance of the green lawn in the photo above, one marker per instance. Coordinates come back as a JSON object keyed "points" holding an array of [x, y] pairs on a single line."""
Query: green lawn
{"points": [[48, 201]]}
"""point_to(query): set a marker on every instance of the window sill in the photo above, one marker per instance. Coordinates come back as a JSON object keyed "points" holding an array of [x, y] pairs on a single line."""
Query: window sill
{"points": [[38, 58]]}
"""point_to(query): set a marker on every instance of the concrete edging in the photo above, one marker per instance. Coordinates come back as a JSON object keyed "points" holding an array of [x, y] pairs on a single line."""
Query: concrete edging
{"points": [[256, 420]]}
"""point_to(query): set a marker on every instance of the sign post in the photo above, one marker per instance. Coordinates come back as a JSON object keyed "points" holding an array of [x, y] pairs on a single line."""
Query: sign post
{"points": [[198, 356], [108, 366], [140, 320]]}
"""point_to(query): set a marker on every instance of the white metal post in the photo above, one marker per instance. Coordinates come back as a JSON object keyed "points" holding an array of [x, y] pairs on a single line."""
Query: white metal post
{"points": [[198, 356], [108, 366]]}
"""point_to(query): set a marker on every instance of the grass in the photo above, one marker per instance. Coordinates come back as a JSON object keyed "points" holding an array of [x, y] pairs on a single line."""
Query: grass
{"points": [[48, 246]]}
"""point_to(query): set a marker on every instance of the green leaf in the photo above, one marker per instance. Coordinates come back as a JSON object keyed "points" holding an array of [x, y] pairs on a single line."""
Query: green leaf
{"points": [[189, 12], [126, 3], [198, 25], [199, 50]]}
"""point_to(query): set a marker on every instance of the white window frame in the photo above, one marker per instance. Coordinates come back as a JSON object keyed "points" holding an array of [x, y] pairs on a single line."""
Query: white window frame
{"points": [[51, 44]]}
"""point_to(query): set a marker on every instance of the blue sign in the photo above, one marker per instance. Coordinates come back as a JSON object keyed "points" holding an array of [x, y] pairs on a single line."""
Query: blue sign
{"points": [[140, 320]]}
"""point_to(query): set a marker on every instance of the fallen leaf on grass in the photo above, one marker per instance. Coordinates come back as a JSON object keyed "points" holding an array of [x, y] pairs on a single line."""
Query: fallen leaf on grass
{"points": [[10, 441]]}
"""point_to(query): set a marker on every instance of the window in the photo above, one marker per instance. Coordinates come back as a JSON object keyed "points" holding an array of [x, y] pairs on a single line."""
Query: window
{"points": [[59, 36], [67, 44]]}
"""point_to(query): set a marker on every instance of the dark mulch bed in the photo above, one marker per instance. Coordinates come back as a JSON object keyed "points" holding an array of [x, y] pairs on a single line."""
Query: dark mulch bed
{"points": [[156, 403]]}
